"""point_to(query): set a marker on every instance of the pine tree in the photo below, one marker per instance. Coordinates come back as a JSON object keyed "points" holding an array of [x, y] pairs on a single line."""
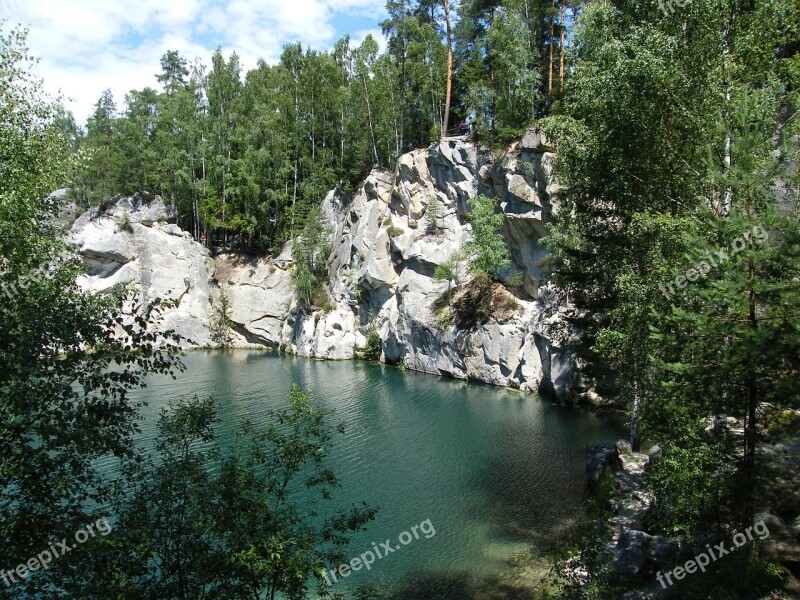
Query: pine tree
{"points": [[738, 306], [486, 248], [101, 140]]}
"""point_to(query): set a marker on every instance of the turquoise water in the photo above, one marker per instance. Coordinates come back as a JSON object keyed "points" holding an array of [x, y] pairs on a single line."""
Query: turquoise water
{"points": [[498, 475]]}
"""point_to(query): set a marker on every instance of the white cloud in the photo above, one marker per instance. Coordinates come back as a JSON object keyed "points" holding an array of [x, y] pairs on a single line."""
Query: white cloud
{"points": [[357, 38], [87, 46]]}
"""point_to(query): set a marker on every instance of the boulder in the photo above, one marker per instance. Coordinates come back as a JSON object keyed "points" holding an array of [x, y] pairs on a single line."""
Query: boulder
{"points": [[535, 140], [633, 557], [603, 459]]}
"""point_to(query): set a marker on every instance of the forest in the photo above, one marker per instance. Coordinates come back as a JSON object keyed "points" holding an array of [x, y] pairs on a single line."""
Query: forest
{"points": [[247, 155]]}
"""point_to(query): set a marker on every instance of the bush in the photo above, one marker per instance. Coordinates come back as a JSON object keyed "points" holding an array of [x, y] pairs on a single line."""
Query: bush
{"points": [[445, 319], [516, 282], [125, 223], [228, 500], [321, 299], [310, 253], [451, 272], [220, 318], [394, 231], [487, 248], [372, 349], [509, 135]]}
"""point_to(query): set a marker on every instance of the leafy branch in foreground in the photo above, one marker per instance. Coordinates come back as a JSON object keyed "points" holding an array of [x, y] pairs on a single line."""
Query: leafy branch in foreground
{"points": [[202, 522], [68, 360]]}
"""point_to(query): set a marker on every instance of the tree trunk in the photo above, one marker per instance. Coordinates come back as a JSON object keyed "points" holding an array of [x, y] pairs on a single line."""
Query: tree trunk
{"points": [[294, 193], [369, 116], [636, 403], [750, 432], [561, 47], [550, 63], [446, 119], [403, 82], [395, 121], [341, 155], [296, 77]]}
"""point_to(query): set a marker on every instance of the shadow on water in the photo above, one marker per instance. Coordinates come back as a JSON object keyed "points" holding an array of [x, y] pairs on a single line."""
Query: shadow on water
{"points": [[451, 585], [529, 469]]}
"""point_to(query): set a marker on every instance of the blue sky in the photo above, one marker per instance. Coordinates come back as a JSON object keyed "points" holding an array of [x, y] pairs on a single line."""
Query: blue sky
{"points": [[86, 46]]}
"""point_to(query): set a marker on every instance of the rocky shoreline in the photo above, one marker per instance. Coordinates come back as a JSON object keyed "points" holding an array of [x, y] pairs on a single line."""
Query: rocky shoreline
{"points": [[633, 555]]}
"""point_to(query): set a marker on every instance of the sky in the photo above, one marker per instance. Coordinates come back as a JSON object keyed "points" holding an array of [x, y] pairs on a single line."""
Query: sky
{"points": [[87, 46]]}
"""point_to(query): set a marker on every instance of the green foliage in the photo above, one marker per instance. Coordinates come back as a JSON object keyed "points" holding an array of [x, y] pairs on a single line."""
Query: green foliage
{"points": [[245, 156], [125, 223], [445, 319], [68, 360], [451, 271], [516, 91], [415, 70], [618, 233], [393, 231], [501, 65], [310, 253], [220, 318], [204, 521], [666, 146], [373, 347], [687, 477], [320, 298], [515, 281], [744, 310], [487, 250]]}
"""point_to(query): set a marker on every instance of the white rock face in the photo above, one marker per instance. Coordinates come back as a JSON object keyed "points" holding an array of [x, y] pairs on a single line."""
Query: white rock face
{"points": [[160, 261], [384, 257], [385, 253], [260, 295]]}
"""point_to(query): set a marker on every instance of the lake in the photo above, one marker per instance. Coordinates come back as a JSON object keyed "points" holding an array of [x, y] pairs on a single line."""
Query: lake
{"points": [[499, 476]]}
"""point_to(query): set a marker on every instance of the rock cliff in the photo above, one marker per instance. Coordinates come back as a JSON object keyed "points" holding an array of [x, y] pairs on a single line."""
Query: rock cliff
{"points": [[386, 247], [131, 243]]}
